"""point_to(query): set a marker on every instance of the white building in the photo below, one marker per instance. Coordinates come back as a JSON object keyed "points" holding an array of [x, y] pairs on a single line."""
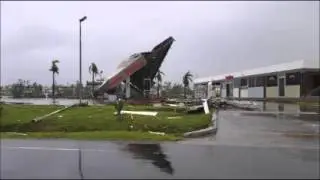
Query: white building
{"points": [[290, 80]]}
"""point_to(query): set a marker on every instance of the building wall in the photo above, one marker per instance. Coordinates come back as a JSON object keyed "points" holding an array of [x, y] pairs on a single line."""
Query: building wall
{"points": [[214, 94], [244, 93], [309, 82], [210, 90], [236, 92], [292, 91], [223, 92], [215, 91], [272, 92], [260, 86], [200, 90], [255, 92]]}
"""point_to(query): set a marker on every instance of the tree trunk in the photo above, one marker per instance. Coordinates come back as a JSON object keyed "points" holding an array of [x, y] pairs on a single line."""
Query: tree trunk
{"points": [[92, 83], [158, 90], [53, 86], [185, 92]]}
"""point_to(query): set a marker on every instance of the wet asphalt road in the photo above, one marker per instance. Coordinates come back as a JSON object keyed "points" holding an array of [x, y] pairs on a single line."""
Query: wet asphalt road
{"points": [[62, 159], [245, 146]]}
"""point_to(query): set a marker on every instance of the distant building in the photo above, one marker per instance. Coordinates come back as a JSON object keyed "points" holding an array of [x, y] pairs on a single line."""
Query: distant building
{"points": [[287, 80]]}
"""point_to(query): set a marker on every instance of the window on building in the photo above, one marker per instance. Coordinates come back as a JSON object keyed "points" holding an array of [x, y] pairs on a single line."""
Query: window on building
{"points": [[315, 92], [260, 81], [293, 78], [244, 82], [272, 81], [252, 82], [236, 83]]}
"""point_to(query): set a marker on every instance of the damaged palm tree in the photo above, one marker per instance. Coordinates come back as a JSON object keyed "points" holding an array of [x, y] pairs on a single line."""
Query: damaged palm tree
{"points": [[186, 79], [55, 70]]}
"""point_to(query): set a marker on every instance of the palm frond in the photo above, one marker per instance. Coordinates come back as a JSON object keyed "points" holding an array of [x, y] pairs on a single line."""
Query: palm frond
{"points": [[54, 68]]}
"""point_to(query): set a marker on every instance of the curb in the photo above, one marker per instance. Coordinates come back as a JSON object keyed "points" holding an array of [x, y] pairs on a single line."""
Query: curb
{"points": [[206, 131], [37, 119], [244, 107]]}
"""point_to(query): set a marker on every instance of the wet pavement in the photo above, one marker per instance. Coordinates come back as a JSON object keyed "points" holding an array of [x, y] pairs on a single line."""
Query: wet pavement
{"points": [[86, 160], [244, 128], [245, 146]]}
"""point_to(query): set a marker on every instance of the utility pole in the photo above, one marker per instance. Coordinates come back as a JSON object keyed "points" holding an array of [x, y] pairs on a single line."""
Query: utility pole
{"points": [[80, 61]]}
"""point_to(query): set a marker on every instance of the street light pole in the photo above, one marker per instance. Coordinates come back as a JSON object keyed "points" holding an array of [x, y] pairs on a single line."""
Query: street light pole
{"points": [[80, 61]]}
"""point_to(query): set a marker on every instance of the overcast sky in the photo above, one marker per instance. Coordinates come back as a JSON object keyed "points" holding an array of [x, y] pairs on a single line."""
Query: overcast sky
{"points": [[211, 37]]}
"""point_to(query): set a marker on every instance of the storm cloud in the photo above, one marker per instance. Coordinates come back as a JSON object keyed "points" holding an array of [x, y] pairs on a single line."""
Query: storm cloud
{"points": [[211, 37]]}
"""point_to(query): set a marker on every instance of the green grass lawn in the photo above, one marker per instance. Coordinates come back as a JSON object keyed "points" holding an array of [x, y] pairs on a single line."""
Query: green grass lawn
{"points": [[93, 135], [12, 116], [98, 121]]}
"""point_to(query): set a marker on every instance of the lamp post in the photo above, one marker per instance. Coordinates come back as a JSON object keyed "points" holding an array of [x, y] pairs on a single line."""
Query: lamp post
{"points": [[80, 60]]}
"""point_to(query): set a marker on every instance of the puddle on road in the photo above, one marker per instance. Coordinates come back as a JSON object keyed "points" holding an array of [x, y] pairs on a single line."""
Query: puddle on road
{"points": [[151, 153]]}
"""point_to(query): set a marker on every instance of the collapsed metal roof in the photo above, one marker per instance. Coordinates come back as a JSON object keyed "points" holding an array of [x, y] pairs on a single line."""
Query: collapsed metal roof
{"points": [[139, 66]]}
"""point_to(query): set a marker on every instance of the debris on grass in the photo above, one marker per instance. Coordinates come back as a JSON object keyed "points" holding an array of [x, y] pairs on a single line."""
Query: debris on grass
{"points": [[157, 133], [157, 105], [19, 134], [144, 113], [175, 117]]}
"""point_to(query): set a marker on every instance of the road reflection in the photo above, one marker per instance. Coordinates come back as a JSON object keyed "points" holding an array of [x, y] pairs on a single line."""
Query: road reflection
{"points": [[153, 153]]}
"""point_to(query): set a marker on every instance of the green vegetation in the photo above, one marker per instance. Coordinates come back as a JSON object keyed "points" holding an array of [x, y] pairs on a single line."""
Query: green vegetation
{"points": [[93, 70], [95, 135], [14, 116], [55, 70], [159, 81], [186, 79], [27, 89], [95, 121]]}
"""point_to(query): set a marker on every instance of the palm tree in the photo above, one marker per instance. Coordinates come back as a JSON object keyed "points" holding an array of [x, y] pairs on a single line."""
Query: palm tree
{"points": [[55, 70], [159, 79], [93, 69], [100, 74], [186, 79]]}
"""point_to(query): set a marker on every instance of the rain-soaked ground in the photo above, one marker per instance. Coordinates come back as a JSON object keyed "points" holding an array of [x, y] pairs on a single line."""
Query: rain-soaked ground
{"points": [[245, 146], [238, 127]]}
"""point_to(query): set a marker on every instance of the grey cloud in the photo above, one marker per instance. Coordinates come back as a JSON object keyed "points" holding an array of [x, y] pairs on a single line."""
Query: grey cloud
{"points": [[35, 38], [211, 37]]}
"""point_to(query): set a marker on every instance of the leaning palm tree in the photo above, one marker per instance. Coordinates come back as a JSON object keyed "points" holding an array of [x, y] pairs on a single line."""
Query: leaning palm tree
{"points": [[55, 70], [186, 79], [93, 69], [159, 79]]}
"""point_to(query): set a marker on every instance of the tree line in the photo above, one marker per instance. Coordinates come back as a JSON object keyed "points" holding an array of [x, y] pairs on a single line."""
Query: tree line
{"points": [[26, 89]]}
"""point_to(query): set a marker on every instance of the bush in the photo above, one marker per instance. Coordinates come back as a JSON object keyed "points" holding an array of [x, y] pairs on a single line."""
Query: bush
{"points": [[119, 106], [1, 109], [83, 104]]}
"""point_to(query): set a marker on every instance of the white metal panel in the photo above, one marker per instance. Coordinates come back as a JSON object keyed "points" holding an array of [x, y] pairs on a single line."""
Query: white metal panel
{"points": [[223, 93], [292, 91], [255, 92], [236, 92], [112, 98], [243, 93], [209, 91], [272, 92]]}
